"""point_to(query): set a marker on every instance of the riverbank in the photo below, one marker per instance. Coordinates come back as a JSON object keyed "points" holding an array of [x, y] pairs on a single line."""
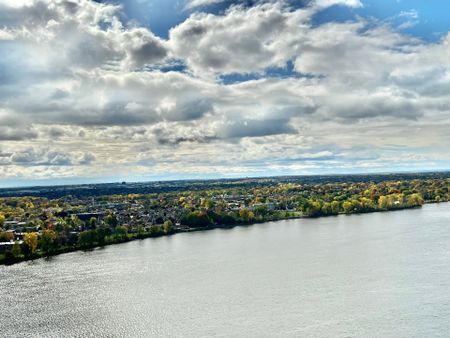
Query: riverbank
{"points": [[292, 276], [8, 259]]}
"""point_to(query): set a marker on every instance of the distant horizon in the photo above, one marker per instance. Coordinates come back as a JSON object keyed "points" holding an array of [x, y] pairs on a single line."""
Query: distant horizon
{"points": [[83, 181]]}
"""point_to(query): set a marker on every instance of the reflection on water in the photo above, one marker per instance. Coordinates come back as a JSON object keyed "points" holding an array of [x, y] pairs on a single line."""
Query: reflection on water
{"points": [[377, 275]]}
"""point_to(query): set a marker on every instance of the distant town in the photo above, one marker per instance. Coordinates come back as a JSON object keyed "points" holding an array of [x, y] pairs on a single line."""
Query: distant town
{"points": [[41, 221]]}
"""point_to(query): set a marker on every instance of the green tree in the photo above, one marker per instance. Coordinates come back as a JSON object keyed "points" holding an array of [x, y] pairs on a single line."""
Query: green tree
{"points": [[93, 223], [111, 220], [121, 232], [326, 209], [16, 250], [261, 210], [75, 222], [347, 206], [414, 200], [156, 230], [86, 238], [48, 240], [60, 223], [101, 233], [196, 219], [312, 208], [335, 207], [356, 205], [366, 204], [246, 215], [140, 231], [2, 220], [168, 226]]}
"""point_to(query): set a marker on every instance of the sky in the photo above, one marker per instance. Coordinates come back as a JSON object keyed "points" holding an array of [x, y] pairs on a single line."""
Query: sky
{"points": [[138, 90]]}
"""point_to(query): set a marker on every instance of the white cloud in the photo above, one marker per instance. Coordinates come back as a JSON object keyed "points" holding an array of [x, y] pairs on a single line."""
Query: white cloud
{"points": [[81, 92], [329, 3], [197, 3], [6, 35], [80, 34], [242, 41], [411, 14]]}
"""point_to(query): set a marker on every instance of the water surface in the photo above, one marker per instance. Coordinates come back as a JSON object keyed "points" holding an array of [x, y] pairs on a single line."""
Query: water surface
{"points": [[372, 275]]}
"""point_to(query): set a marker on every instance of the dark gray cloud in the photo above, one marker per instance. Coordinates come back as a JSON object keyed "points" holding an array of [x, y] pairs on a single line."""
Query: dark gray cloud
{"points": [[87, 158], [143, 47], [186, 110], [55, 133], [255, 128], [33, 156], [175, 140], [17, 133]]}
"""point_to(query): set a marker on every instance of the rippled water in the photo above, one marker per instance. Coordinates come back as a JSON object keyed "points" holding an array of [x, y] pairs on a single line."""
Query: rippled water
{"points": [[374, 275]]}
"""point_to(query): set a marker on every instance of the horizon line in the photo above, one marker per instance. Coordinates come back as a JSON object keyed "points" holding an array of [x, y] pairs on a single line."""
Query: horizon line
{"points": [[378, 173]]}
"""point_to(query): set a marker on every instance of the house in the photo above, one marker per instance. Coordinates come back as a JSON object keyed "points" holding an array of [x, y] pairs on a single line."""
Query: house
{"points": [[10, 224]]}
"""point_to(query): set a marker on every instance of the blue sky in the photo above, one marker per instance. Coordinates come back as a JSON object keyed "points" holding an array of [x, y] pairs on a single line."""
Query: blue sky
{"points": [[426, 20], [166, 89], [431, 22]]}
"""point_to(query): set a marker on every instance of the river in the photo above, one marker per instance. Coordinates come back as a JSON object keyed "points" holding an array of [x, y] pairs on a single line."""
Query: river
{"points": [[373, 275]]}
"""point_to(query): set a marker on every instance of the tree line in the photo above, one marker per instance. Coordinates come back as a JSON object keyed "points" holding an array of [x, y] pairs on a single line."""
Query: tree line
{"points": [[51, 225]]}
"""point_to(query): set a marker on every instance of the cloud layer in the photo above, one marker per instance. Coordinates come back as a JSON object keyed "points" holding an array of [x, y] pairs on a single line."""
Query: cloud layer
{"points": [[254, 90]]}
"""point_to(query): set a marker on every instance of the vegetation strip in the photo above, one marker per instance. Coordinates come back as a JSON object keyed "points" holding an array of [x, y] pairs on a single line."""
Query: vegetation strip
{"points": [[34, 227]]}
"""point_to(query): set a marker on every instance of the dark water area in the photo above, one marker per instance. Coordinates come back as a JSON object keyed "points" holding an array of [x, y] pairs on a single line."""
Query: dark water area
{"points": [[372, 275]]}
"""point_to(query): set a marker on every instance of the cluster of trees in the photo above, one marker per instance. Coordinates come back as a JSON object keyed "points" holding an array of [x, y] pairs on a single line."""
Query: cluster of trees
{"points": [[302, 207], [207, 217], [305, 200], [30, 244], [47, 241], [51, 225], [358, 204]]}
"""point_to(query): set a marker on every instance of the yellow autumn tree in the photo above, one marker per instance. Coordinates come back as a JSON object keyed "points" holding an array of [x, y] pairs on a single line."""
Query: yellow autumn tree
{"points": [[31, 240]]}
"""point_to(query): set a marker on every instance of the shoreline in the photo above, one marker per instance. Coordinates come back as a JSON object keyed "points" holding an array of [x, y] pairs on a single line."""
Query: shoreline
{"points": [[69, 249]]}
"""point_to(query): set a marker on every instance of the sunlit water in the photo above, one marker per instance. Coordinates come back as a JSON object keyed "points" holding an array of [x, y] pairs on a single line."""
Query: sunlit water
{"points": [[373, 275]]}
